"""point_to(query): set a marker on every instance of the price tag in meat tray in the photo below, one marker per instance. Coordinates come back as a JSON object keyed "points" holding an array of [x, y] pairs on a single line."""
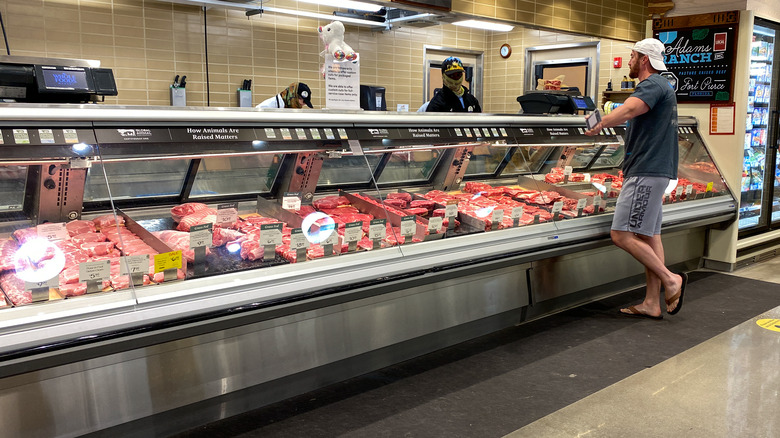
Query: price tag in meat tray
{"points": [[271, 234], [298, 240], [137, 264], [556, 210], [377, 229], [167, 260], [678, 192], [200, 236], [451, 210], [353, 231], [291, 201], [581, 203], [517, 213], [93, 273], [434, 224], [53, 282], [497, 217], [227, 214], [53, 232], [408, 226]]}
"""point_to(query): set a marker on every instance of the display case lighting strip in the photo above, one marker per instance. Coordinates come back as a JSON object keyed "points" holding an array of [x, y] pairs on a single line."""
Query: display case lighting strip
{"points": [[346, 4]]}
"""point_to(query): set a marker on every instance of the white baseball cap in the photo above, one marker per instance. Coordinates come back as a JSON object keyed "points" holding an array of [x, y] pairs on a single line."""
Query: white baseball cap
{"points": [[654, 50]]}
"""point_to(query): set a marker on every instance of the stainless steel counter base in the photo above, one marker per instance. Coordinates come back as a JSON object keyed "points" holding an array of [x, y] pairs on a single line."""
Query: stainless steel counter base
{"points": [[410, 317]]}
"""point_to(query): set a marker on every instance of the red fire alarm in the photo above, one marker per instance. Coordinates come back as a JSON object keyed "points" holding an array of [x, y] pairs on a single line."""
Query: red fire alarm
{"points": [[617, 62]]}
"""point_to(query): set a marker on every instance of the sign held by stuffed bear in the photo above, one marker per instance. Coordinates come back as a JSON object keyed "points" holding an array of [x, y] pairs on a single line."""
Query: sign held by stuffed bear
{"points": [[341, 69]]}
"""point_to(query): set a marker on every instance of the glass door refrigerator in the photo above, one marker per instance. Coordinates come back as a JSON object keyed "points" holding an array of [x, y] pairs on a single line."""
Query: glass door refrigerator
{"points": [[759, 207]]}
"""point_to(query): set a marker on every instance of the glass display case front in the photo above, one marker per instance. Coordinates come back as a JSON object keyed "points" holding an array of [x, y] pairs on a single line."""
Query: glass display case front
{"points": [[124, 210]]}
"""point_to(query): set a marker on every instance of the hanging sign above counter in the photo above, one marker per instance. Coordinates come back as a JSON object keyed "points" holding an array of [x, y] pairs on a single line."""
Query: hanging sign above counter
{"points": [[700, 55]]}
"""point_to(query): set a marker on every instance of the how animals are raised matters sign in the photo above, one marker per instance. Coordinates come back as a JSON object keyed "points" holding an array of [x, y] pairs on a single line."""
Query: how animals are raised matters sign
{"points": [[699, 55]]}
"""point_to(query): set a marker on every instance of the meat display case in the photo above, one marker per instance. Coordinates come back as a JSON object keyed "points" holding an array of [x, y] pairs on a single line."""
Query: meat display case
{"points": [[171, 256]]}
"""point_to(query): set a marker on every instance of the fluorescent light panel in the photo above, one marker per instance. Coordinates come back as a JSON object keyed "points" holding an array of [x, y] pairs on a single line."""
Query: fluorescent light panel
{"points": [[346, 4], [485, 25]]}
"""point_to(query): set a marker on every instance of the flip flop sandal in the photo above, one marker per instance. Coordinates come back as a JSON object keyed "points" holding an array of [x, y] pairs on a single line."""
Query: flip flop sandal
{"points": [[678, 296], [634, 312]]}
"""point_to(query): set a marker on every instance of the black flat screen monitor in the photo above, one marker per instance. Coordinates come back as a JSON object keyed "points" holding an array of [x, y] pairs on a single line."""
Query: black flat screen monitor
{"points": [[58, 79]]}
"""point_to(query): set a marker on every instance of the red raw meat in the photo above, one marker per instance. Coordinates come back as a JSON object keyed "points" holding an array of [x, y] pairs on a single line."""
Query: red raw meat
{"points": [[179, 211], [398, 203], [97, 248], [340, 211], [22, 235], [80, 227], [405, 196], [78, 239], [7, 251], [108, 220], [306, 210], [221, 236], [553, 178], [13, 287], [73, 290], [330, 202], [251, 250], [70, 275], [417, 210], [204, 216], [476, 187], [422, 203]]}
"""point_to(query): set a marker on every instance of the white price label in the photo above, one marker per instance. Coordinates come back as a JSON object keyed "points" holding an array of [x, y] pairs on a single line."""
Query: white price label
{"points": [[227, 214], [517, 212], [608, 185], [333, 239], [53, 282], [557, 207], [689, 189], [56, 231], [353, 231], [587, 177], [46, 135], [377, 229], [678, 191], [567, 170], [408, 225], [291, 203], [200, 236], [136, 264], [435, 224], [498, 215], [582, 203], [94, 271], [451, 210], [270, 234], [71, 136], [298, 240], [301, 133]]}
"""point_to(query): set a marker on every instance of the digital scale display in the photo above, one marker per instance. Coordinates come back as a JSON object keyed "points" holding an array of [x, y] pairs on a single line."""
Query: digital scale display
{"points": [[56, 79], [580, 103]]}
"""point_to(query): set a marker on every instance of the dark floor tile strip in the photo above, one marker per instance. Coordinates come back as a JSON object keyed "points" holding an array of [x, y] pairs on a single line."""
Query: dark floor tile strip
{"points": [[495, 384]]}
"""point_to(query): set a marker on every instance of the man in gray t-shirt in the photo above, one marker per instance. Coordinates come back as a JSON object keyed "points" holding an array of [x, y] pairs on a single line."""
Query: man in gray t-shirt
{"points": [[650, 163]]}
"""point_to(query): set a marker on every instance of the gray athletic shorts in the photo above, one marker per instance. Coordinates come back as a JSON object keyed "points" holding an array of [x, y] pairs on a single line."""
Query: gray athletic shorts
{"points": [[639, 206]]}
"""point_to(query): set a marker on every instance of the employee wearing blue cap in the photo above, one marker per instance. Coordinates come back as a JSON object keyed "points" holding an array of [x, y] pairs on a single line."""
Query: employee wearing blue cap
{"points": [[453, 96]]}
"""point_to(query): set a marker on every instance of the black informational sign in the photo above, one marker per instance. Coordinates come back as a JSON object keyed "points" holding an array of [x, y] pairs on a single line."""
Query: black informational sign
{"points": [[699, 55]]}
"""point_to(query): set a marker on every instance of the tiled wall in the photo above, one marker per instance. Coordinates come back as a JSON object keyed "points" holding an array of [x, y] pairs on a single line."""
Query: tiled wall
{"points": [[148, 42], [618, 19]]}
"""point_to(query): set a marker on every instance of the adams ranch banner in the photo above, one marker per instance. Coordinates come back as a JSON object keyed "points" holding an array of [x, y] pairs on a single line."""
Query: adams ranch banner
{"points": [[700, 51]]}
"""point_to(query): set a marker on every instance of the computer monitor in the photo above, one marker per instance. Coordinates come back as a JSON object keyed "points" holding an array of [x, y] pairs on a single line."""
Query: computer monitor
{"points": [[372, 98]]}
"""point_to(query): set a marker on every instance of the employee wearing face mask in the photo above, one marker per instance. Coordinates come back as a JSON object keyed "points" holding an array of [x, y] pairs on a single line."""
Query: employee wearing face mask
{"points": [[453, 96], [296, 95]]}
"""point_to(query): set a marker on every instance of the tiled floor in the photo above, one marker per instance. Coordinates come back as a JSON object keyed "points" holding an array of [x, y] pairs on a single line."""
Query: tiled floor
{"points": [[709, 371], [728, 386]]}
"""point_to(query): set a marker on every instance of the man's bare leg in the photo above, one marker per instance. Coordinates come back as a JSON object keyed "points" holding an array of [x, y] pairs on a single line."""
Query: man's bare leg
{"points": [[649, 252]]}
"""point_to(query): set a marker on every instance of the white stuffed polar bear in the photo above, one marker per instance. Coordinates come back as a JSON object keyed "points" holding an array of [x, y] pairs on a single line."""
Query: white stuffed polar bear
{"points": [[333, 37]]}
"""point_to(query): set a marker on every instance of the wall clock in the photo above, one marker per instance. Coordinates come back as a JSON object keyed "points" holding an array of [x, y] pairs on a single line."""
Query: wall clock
{"points": [[505, 50]]}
